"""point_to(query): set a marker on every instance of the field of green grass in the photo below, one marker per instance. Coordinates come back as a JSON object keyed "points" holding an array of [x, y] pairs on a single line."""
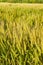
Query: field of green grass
{"points": [[21, 34], [22, 1]]}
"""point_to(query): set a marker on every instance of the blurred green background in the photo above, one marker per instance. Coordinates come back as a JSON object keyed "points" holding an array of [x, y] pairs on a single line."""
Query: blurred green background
{"points": [[23, 1]]}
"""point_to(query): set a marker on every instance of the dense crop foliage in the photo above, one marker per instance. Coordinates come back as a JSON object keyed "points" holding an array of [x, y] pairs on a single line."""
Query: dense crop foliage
{"points": [[23, 1], [21, 35]]}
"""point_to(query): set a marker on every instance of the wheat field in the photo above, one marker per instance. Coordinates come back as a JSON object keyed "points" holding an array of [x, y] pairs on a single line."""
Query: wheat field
{"points": [[21, 34]]}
